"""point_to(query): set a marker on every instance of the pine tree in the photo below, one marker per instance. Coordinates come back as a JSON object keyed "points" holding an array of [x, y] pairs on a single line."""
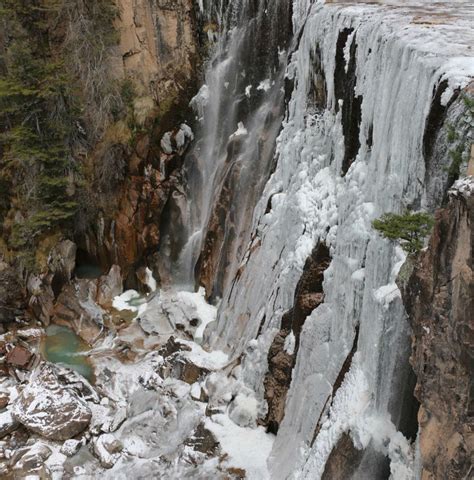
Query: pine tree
{"points": [[409, 229]]}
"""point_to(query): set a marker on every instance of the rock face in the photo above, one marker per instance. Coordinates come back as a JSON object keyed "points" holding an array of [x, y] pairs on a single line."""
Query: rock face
{"points": [[439, 297], [158, 44], [76, 308], [12, 299], [49, 409], [158, 52]]}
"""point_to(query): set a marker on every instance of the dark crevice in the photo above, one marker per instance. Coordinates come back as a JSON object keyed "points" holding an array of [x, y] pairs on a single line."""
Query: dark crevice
{"points": [[317, 96], [408, 423], [344, 86], [435, 120]]}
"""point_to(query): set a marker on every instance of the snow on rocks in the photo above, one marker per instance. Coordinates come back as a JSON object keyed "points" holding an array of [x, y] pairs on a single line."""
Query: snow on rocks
{"points": [[71, 447], [177, 140], [243, 410], [28, 461], [48, 408], [246, 448], [7, 423], [107, 448]]}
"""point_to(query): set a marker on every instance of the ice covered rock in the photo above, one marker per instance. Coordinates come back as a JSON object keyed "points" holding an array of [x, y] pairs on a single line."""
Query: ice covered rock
{"points": [[29, 461], [71, 447], [7, 423], [196, 391], [107, 449], [243, 410], [50, 409], [177, 141], [41, 300]]}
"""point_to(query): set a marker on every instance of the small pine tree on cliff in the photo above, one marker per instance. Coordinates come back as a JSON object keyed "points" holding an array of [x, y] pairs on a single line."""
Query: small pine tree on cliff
{"points": [[409, 229]]}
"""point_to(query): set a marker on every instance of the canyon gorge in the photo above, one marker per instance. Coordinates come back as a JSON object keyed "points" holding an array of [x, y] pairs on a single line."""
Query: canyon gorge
{"points": [[193, 283]]}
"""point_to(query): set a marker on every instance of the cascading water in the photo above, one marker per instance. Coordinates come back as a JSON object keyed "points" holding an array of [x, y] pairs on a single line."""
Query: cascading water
{"points": [[240, 113]]}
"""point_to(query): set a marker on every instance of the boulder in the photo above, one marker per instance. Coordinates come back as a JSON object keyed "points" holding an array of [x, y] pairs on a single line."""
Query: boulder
{"points": [[243, 411], [76, 308], [19, 357], [71, 447], [109, 286], [48, 408], [7, 423], [31, 461]]}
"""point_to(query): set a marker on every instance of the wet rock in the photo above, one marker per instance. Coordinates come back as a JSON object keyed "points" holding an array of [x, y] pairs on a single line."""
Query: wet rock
{"points": [[236, 473], [172, 346], [183, 369], [76, 308], [7, 423], [19, 357], [48, 408], [109, 286], [19, 437], [343, 460]]}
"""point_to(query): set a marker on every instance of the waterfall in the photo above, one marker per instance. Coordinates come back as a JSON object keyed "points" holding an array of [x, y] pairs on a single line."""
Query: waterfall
{"points": [[307, 134], [239, 108]]}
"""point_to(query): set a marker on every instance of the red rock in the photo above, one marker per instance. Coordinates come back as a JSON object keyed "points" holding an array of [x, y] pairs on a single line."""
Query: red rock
{"points": [[19, 356]]}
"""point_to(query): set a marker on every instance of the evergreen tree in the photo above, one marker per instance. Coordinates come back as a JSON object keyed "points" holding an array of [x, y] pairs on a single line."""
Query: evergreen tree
{"points": [[410, 229]]}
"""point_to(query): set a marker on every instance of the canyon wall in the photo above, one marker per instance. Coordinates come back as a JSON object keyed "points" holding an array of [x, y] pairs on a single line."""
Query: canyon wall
{"points": [[438, 296]]}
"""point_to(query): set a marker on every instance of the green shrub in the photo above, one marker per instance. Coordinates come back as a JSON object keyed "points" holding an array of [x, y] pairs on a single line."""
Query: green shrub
{"points": [[409, 229]]}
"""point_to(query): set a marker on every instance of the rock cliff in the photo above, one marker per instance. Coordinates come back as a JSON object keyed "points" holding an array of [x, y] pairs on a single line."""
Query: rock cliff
{"points": [[439, 300]]}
